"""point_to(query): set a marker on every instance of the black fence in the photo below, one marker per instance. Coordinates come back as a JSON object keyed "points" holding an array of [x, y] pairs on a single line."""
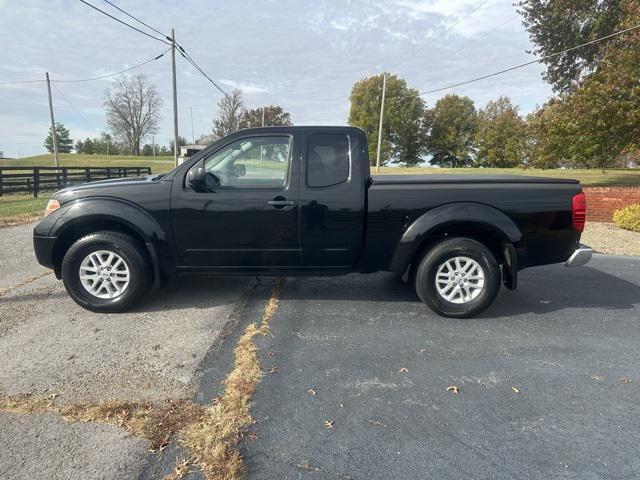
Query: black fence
{"points": [[40, 179]]}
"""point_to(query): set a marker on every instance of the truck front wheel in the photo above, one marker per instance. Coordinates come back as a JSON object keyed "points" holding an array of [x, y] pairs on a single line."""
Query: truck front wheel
{"points": [[458, 278], [106, 272]]}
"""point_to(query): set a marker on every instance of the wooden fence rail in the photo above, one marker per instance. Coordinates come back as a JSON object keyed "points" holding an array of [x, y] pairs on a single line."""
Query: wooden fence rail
{"points": [[39, 179]]}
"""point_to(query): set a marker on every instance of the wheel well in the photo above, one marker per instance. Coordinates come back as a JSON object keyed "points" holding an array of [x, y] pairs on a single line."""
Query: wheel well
{"points": [[79, 230], [490, 238]]}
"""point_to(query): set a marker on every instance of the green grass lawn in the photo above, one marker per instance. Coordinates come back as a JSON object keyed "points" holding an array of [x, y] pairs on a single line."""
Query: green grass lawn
{"points": [[16, 209], [157, 164]]}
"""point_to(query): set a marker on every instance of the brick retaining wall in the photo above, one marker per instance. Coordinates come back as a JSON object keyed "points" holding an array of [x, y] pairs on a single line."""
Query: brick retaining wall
{"points": [[603, 201]]}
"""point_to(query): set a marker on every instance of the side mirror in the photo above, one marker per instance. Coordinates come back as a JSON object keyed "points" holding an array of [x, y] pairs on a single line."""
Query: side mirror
{"points": [[239, 169], [196, 178]]}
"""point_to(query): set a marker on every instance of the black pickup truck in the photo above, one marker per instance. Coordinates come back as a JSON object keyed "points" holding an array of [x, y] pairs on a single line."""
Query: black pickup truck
{"points": [[302, 201]]}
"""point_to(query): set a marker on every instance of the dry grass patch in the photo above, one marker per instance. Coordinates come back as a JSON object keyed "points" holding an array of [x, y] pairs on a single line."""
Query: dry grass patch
{"points": [[210, 434], [212, 442], [154, 422]]}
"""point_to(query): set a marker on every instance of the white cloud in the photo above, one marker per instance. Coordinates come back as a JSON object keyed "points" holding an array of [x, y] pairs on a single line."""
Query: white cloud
{"points": [[302, 56]]}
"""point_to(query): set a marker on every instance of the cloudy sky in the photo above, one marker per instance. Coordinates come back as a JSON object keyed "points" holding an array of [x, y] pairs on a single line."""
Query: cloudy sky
{"points": [[303, 55]]}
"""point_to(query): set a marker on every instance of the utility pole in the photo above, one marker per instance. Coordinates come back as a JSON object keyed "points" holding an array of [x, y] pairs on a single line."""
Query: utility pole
{"points": [[384, 91], [175, 98], [261, 148], [54, 137], [193, 136]]}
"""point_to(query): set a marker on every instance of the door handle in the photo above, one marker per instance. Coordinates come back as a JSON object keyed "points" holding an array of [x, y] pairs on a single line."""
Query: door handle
{"points": [[280, 202]]}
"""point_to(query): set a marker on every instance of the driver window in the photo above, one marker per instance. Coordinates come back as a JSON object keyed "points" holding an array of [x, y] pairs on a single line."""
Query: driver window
{"points": [[252, 162]]}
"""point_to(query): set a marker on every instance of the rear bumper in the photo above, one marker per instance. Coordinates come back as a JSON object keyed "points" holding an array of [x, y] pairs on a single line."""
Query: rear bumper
{"points": [[579, 257], [43, 247]]}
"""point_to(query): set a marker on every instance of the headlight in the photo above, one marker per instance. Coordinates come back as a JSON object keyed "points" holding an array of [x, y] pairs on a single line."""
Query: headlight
{"points": [[52, 206]]}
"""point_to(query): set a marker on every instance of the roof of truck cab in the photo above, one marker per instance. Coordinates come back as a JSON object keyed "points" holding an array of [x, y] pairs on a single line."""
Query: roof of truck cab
{"points": [[461, 178]]}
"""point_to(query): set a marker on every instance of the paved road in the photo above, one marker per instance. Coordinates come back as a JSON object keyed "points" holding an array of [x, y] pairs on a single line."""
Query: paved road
{"points": [[348, 338], [50, 345]]}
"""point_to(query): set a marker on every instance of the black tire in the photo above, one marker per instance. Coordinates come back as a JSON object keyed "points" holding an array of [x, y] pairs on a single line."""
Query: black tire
{"points": [[129, 250], [441, 253]]}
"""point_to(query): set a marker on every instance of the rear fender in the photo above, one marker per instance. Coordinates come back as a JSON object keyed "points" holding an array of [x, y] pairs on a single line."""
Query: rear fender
{"points": [[477, 216]]}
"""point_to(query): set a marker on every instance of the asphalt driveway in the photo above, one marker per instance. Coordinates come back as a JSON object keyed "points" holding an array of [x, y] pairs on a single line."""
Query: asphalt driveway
{"points": [[564, 341], [539, 375]]}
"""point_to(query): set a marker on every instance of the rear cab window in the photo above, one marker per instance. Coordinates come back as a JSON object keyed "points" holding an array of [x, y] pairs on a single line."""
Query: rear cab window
{"points": [[328, 159]]}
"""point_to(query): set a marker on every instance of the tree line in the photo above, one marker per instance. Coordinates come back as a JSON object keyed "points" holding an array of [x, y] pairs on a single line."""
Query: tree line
{"points": [[592, 121]]}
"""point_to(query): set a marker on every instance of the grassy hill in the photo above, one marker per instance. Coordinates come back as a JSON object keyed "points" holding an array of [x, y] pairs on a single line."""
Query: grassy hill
{"points": [[157, 164]]}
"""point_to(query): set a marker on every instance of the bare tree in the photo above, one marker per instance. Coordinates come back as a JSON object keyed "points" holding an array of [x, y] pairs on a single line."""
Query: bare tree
{"points": [[133, 110], [230, 111]]}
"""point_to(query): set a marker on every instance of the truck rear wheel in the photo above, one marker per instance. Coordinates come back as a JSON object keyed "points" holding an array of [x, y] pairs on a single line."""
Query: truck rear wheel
{"points": [[106, 272], [458, 278]]}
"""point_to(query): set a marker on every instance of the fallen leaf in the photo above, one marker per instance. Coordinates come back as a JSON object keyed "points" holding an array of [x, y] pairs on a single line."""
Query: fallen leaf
{"points": [[311, 391], [403, 370], [252, 435], [596, 378], [625, 380], [515, 389], [273, 370], [269, 354], [328, 423], [454, 389]]}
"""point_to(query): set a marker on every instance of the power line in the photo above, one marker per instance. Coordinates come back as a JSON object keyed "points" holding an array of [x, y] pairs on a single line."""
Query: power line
{"points": [[124, 23], [22, 81], [64, 97], [190, 59], [485, 35], [137, 19], [116, 73], [467, 15], [484, 77], [101, 77], [181, 49]]}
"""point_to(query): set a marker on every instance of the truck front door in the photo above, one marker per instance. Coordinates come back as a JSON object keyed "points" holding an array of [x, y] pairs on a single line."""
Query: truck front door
{"points": [[332, 194], [247, 216]]}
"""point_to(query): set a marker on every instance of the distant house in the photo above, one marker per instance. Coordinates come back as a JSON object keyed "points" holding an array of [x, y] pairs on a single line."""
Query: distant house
{"points": [[187, 151]]}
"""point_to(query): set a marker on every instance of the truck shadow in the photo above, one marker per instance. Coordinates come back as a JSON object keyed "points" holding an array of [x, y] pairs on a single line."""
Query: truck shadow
{"points": [[540, 290]]}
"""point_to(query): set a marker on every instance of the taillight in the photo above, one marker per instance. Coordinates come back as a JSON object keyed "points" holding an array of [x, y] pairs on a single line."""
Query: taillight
{"points": [[579, 211]]}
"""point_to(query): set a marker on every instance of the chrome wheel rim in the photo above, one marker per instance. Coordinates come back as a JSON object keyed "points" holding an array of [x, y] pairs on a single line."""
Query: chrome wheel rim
{"points": [[460, 280], [104, 274]]}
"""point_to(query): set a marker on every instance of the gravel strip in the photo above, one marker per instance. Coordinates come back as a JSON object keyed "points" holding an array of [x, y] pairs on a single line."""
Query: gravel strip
{"points": [[610, 239]]}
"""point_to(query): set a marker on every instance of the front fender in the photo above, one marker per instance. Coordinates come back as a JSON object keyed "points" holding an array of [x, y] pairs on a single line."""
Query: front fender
{"points": [[476, 215], [111, 209]]}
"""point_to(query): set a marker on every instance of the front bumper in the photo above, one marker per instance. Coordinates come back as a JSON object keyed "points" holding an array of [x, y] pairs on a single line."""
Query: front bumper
{"points": [[43, 247], [579, 257]]}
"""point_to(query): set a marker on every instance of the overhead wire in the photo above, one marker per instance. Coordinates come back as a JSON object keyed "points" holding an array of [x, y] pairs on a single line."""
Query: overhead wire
{"points": [[125, 23]]}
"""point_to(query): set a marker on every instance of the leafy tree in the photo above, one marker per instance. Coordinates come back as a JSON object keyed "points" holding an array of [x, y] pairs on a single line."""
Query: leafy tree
{"points": [[65, 144], [452, 124], [100, 145], [230, 111], [133, 110], [501, 135], [597, 125], [560, 24], [147, 150], [403, 126], [181, 141], [274, 116]]}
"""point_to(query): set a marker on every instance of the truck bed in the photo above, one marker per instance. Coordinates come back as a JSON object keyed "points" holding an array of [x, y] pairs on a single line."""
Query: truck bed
{"points": [[473, 178]]}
